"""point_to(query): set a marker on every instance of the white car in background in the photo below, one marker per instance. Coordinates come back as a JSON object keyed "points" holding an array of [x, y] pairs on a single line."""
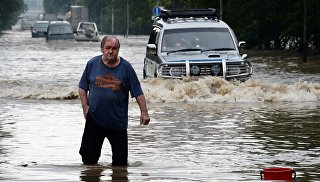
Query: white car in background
{"points": [[87, 31]]}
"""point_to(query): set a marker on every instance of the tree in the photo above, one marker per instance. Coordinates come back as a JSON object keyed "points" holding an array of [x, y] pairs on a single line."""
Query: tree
{"points": [[56, 6], [273, 24], [9, 12]]}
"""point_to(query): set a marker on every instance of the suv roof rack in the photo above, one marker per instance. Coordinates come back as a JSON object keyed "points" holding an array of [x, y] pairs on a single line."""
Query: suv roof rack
{"points": [[187, 13]]}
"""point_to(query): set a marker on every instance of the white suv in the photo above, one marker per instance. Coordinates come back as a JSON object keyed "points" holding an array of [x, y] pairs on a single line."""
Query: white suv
{"points": [[194, 43], [87, 31]]}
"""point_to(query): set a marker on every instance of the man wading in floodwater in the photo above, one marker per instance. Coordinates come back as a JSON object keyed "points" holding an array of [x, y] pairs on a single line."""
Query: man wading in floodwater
{"points": [[108, 79]]}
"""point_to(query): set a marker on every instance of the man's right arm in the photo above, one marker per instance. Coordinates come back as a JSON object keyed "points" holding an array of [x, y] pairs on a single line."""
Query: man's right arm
{"points": [[84, 101]]}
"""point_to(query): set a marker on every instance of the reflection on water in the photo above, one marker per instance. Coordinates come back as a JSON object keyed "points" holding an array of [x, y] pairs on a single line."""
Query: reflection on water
{"points": [[204, 129], [91, 174], [96, 174]]}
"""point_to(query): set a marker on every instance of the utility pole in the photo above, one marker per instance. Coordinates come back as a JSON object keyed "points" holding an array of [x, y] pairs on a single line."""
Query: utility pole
{"points": [[305, 42], [221, 9], [101, 7], [127, 18], [112, 17]]}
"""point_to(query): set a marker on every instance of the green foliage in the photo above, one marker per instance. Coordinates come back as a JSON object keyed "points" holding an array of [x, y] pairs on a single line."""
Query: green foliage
{"points": [[9, 12], [56, 6], [272, 24]]}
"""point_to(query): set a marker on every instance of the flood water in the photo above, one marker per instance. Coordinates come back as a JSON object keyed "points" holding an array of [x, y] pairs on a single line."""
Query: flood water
{"points": [[204, 129]]}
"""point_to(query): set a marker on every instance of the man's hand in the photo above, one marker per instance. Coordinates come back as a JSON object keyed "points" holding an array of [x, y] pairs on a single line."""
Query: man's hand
{"points": [[144, 118]]}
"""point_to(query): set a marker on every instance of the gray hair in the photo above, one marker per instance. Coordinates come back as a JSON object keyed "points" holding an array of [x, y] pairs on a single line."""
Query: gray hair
{"points": [[108, 37]]}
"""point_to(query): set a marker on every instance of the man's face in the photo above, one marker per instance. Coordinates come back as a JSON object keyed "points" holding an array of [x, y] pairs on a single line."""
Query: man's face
{"points": [[110, 50]]}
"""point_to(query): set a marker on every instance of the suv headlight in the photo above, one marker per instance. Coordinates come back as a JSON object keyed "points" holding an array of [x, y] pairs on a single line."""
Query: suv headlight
{"points": [[195, 70], [215, 70]]}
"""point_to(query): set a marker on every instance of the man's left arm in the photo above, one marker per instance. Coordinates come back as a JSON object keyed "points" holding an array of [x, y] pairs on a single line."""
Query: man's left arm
{"points": [[144, 117]]}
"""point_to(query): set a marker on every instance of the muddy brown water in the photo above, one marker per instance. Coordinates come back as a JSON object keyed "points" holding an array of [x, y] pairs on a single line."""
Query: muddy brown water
{"points": [[201, 129]]}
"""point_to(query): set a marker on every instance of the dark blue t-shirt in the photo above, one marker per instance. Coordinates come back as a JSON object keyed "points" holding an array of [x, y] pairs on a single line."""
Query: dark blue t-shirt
{"points": [[109, 89]]}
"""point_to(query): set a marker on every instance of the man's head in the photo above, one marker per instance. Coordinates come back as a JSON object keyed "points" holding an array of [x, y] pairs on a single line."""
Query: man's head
{"points": [[107, 38], [110, 46]]}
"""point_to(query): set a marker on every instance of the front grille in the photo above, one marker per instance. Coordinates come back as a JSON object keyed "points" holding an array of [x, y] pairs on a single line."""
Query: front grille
{"points": [[234, 69], [209, 69], [220, 68], [205, 70], [175, 71]]}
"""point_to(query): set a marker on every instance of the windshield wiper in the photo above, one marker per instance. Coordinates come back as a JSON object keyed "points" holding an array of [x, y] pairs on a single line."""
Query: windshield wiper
{"points": [[218, 49], [183, 50]]}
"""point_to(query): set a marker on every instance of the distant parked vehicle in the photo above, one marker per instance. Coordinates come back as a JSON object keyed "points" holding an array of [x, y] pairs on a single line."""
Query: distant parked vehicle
{"points": [[39, 29], [87, 31], [26, 24], [59, 30]]}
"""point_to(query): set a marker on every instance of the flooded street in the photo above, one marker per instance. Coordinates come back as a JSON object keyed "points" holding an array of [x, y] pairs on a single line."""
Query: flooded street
{"points": [[200, 130]]}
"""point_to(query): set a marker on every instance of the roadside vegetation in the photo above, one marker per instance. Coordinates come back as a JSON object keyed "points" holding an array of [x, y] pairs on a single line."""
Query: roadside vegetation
{"points": [[264, 25], [9, 13], [273, 24]]}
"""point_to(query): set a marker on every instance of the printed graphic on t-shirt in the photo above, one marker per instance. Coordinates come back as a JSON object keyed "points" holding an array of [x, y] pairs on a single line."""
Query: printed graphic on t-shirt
{"points": [[108, 81]]}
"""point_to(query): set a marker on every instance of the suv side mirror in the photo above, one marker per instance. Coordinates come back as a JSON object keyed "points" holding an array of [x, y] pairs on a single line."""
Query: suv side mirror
{"points": [[242, 44], [152, 49]]}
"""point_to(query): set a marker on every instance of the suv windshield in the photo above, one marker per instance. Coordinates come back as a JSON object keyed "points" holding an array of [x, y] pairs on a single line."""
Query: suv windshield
{"points": [[205, 39]]}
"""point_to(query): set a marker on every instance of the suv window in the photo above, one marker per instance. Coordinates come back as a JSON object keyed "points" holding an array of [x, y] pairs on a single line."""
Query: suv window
{"points": [[197, 38], [41, 25], [60, 29], [86, 26]]}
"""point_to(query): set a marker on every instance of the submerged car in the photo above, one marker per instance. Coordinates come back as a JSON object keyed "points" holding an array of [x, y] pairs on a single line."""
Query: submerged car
{"points": [[186, 43], [87, 31], [39, 29], [59, 30]]}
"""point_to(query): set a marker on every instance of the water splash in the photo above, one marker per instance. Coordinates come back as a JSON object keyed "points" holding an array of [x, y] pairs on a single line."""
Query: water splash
{"points": [[190, 90], [213, 89]]}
